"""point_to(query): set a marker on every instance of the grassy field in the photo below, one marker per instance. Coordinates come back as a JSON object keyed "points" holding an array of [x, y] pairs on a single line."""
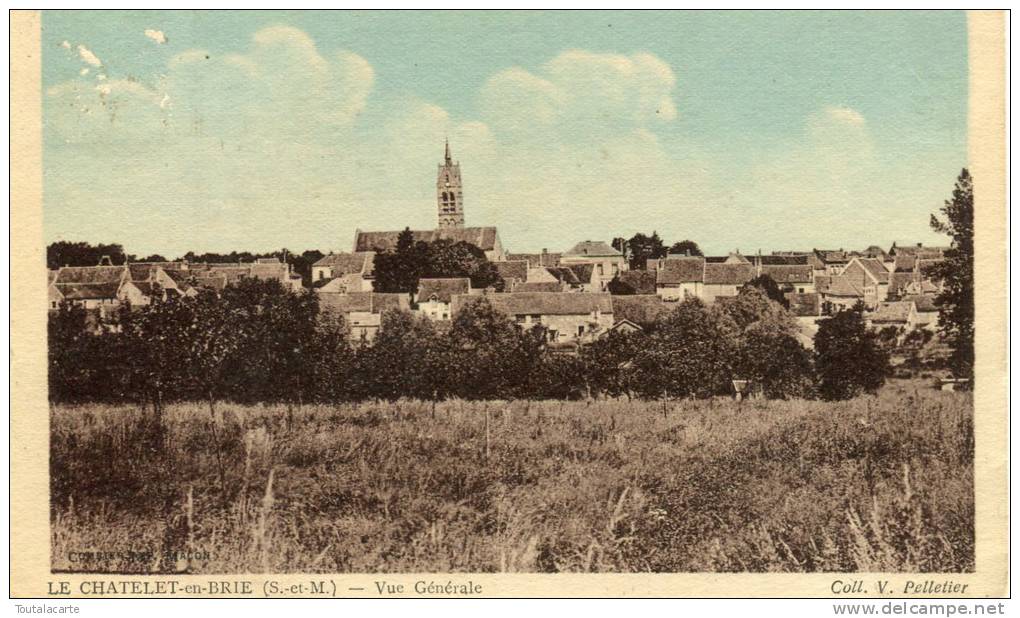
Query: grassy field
{"points": [[875, 484]]}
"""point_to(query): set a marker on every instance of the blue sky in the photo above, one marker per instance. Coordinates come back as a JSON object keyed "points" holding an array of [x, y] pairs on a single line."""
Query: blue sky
{"points": [[740, 130]]}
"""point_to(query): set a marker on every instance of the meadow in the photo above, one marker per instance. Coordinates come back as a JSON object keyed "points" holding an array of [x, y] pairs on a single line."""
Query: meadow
{"points": [[877, 483]]}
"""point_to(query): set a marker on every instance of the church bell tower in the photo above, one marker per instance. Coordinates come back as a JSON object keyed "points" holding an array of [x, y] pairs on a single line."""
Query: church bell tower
{"points": [[449, 193]]}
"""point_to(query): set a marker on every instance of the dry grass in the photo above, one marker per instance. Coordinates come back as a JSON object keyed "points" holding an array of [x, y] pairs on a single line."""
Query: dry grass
{"points": [[875, 484]]}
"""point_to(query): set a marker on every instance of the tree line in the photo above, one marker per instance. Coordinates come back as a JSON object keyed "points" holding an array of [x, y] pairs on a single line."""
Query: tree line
{"points": [[258, 342]]}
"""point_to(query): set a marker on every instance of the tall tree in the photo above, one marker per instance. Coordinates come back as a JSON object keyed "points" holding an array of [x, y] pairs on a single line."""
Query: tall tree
{"points": [[685, 247], [641, 248], [767, 284], [849, 358], [690, 354], [956, 301]]}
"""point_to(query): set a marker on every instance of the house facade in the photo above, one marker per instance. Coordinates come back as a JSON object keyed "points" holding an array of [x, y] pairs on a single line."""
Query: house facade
{"points": [[677, 278], [565, 316], [606, 261], [434, 296]]}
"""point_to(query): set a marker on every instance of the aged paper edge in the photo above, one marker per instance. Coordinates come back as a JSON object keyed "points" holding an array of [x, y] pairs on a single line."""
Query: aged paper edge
{"points": [[29, 422]]}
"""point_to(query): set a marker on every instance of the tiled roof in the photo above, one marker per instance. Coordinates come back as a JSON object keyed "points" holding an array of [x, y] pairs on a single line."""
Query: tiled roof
{"points": [[442, 289], [542, 303], [728, 274], [88, 291], [918, 250], [844, 286], [640, 308], [874, 251], [539, 286], [566, 275], [638, 281], [892, 312], [804, 305], [904, 262], [512, 269], [923, 302], [593, 248], [875, 267], [582, 272], [89, 274], [782, 260], [536, 260], [900, 280], [787, 273], [346, 263], [682, 270], [832, 256], [269, 271], [482, 237], [374, 302]]}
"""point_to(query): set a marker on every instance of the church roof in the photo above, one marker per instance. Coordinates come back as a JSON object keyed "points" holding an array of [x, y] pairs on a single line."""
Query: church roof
{"points": [[482, 237]]}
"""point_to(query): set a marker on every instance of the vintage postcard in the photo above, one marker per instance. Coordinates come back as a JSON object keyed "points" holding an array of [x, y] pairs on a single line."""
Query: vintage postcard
{"points": [[508, 304]]}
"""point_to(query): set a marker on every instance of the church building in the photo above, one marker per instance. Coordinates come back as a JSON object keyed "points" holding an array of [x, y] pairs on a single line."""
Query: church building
{"points": [[450, 222], [450, 193]]}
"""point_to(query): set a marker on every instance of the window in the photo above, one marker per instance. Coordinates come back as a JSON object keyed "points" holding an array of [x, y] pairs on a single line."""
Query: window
{"points": [[322, 275], [580, 330], [601, 272]]}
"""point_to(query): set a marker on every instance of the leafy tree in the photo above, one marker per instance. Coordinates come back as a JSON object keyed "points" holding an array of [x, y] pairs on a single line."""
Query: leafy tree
{"points": [[495, 356], [956, 301], [155, 257], [641, 248], [686, 247], [558, 376], [397, 364], [331, 365], [849, 358], [400, 270], [620, 244], [767, 284], [277, 329], [752, 308], [79, 253], [776, 363], [609, 362], [688, 355], [445, 258], [634, 282]]}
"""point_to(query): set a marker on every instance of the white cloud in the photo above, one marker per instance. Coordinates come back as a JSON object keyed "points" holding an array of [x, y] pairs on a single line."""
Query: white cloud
{"points": [[583, 93], [88, 57], [156, 35]]}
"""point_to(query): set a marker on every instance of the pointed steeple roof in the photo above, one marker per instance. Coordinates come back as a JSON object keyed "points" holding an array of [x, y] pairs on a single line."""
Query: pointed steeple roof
{"points": [[448, 158]]}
